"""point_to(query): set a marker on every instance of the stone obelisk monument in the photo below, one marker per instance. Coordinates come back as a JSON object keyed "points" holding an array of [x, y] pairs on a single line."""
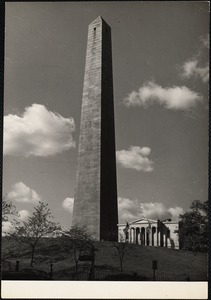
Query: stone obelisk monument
{"points": [[95, 201]]}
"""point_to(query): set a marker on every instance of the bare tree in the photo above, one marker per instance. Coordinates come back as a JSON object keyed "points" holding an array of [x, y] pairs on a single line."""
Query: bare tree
{"points": [[8, 209], [10, 248], [78, 241], [37, 226], [122, 249], [9, 214]]}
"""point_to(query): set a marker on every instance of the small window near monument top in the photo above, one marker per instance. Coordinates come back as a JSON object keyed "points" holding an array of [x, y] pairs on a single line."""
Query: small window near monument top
{"points": [[94, 28]]}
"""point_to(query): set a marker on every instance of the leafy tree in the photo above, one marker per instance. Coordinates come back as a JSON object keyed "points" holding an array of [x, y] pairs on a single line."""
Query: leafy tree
{"points": [[193, 229], [78, 241], [39, 225]]}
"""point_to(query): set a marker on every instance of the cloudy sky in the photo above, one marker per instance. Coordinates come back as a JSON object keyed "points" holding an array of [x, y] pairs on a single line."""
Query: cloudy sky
{"points": [[160, 65]]}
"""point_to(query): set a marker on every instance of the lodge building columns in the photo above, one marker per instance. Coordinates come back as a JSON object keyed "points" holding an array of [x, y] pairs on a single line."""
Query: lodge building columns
{"points": [[147, 236], [150, 233]]}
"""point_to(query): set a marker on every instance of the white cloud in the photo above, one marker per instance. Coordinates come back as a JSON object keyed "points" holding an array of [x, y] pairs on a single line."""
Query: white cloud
{"points": [[38, 132], [175, 98], [22, 193], [135, 158], [176, 212], [130, 210], [191, 68], [127, 210], [23, 215], [195, 67], [68, 204], [205, 40]]}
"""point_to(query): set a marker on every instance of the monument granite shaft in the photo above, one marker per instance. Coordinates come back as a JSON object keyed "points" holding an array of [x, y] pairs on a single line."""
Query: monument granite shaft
{"points": [[95, 201]]}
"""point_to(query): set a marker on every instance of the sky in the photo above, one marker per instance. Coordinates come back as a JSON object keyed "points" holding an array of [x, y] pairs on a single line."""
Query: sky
{"points": [[160, 73]]}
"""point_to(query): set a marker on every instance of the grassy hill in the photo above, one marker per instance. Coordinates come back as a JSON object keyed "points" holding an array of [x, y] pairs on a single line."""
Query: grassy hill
{"points": [[173, 264]]}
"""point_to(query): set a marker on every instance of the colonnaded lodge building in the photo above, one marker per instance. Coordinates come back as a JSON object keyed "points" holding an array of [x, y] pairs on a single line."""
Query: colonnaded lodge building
{"points": [[150, 233]]}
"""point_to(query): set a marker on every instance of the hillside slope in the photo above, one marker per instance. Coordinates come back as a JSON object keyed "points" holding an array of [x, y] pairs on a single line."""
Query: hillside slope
{"points": [[173, 264]]}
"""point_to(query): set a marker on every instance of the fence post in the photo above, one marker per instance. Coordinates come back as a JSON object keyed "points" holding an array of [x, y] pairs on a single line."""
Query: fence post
{"points": [[51, 270], [17, 266], [154, 267], [92, 270]]}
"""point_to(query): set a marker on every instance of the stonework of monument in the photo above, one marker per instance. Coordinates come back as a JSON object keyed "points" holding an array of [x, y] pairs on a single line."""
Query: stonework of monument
{"points": [[95, 200]]}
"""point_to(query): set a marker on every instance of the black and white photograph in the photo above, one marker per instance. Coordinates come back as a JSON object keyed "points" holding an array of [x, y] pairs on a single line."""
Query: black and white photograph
{"points": [[105, 145]]}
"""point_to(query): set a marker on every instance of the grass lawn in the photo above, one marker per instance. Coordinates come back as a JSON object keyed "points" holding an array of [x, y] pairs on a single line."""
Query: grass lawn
{"points": [[173, 264]]}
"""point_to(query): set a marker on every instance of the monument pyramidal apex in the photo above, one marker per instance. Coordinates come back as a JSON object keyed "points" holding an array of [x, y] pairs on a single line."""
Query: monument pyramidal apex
{"points": [[95, 200]]}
